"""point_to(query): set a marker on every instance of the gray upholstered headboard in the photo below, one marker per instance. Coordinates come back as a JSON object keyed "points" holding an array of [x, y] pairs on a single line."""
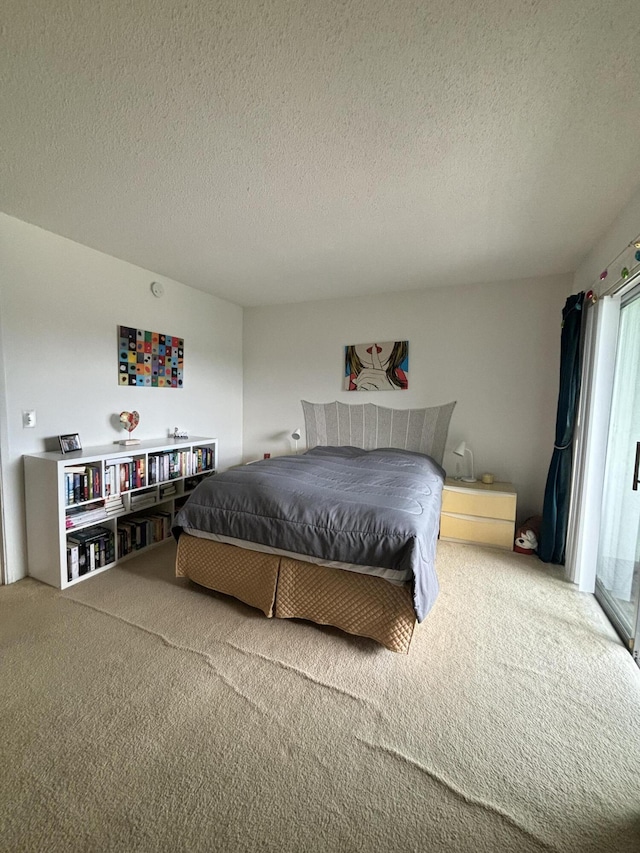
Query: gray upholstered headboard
{"points": [[370, 426]]}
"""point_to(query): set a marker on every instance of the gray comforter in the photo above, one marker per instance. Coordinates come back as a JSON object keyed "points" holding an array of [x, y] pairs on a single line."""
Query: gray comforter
{"points": [[367, 507]]}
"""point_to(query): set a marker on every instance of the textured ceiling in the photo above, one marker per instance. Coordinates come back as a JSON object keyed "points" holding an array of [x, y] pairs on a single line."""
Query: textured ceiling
{"points": [[271, 151]]}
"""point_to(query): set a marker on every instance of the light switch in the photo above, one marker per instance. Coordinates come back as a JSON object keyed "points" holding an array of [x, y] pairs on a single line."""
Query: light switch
{"points": [[29, 419]]}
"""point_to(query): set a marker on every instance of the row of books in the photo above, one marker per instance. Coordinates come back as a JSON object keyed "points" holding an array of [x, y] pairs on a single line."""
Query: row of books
{"points": [[82, 483], [81, 516], [171, 464], [168, 465], [124, 475], [94, 547], [88, 550], [204, 459], [138, 532]]}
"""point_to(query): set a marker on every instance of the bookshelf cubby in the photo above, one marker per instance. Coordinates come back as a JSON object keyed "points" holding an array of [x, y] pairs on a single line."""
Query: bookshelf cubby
{"points": [[90, 509]]}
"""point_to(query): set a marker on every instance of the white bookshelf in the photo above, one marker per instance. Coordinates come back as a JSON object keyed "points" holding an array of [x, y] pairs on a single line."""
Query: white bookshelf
{"points": [[161, 474]]}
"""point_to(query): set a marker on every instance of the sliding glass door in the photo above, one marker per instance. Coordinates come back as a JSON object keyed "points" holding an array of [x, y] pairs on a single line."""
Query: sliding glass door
{"points": [[618, 563]]}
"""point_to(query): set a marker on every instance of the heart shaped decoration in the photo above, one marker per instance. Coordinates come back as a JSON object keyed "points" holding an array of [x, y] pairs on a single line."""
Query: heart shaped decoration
{"points": [[129, 420]]}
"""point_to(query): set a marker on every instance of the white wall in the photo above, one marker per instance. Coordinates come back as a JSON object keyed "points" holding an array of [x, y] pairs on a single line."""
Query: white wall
{"points": [[608, 247], [60, 306], [494, 348]]}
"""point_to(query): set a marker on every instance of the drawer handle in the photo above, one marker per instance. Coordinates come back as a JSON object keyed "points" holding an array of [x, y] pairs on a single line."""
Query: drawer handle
{"points": [[479, 519]]}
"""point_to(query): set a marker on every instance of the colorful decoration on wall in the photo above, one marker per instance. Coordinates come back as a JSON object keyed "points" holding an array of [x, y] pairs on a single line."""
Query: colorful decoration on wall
{"points": [[624, 272], [377, 366], [150, 359]]}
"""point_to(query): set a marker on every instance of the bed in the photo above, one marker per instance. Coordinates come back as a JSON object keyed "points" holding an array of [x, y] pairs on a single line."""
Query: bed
{"points": [[343, 534]]}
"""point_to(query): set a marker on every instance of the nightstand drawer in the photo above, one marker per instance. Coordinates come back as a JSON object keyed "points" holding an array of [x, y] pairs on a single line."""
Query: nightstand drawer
{"points": [[485, 504], [465, 528]]}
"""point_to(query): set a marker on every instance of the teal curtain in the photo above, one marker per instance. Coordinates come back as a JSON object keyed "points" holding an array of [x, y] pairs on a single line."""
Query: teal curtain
{"points": [[557, 494]]}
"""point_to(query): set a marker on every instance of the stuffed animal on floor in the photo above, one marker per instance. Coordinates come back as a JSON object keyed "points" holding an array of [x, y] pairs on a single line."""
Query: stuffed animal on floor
{"points": [[527, 536]]}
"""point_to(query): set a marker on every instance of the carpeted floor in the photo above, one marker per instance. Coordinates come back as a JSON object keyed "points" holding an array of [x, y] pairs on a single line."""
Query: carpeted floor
{"points": [[141, 713]]}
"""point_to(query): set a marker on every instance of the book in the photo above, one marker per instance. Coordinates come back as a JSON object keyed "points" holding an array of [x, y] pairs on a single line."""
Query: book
{"points": [[76, 487], [94, 477], [143, 499], [167, 491], [73, 561], [111, 480]]}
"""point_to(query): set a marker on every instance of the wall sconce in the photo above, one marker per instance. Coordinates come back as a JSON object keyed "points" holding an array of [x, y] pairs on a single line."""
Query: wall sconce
{"points": [[295, 435], [460, 450]]}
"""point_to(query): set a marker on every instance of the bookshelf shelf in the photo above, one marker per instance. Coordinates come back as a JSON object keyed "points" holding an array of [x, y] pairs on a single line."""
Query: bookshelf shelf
{"points": [[88, 510]]}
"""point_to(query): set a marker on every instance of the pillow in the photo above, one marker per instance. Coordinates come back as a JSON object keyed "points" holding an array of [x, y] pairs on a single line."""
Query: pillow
{"points": [[369, 426]]}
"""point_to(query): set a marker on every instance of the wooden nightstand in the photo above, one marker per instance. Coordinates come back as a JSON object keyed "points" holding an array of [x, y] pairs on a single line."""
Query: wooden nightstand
{"points": [[478, 514]]}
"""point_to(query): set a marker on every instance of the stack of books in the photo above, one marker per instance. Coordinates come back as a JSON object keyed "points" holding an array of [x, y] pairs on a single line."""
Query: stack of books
{"points": [[82, 516], [114, 504], [140, 500], [167, 490]]}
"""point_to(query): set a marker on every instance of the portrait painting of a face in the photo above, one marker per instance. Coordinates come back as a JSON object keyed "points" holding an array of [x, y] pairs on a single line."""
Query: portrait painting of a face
{"points": [[377, 366]]}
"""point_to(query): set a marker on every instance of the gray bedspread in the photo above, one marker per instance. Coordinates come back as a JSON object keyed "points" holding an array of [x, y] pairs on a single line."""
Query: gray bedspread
{"points": [[367, 507]]}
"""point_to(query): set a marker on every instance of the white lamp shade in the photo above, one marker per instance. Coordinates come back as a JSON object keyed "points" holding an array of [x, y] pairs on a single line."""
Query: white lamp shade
{"points": [[295, 435], [461, 450]]}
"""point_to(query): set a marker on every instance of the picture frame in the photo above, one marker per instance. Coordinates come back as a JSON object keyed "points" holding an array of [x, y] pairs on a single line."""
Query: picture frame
{"points": [[70, 442], [382, 366], [150, 359]]}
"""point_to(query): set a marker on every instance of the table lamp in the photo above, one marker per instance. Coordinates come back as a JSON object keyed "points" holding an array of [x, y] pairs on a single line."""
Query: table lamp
{"points": [[460, 450]]}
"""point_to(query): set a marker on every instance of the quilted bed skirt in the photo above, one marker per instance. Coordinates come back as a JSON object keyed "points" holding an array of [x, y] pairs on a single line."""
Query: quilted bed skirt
{"points": [[294, 589]]}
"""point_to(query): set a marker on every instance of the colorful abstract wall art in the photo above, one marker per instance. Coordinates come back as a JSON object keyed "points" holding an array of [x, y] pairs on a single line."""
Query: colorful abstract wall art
{"points": [[377, 366], [150, 359]]}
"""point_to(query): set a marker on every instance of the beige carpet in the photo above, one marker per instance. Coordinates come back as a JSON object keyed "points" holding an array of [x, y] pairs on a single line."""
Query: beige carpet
{"points": [[141, 713]]}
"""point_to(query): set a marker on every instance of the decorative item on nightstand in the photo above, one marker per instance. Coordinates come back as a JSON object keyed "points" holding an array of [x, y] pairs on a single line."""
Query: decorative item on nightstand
{"points": [[460, 450], [129, 421], [295, 435]]}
